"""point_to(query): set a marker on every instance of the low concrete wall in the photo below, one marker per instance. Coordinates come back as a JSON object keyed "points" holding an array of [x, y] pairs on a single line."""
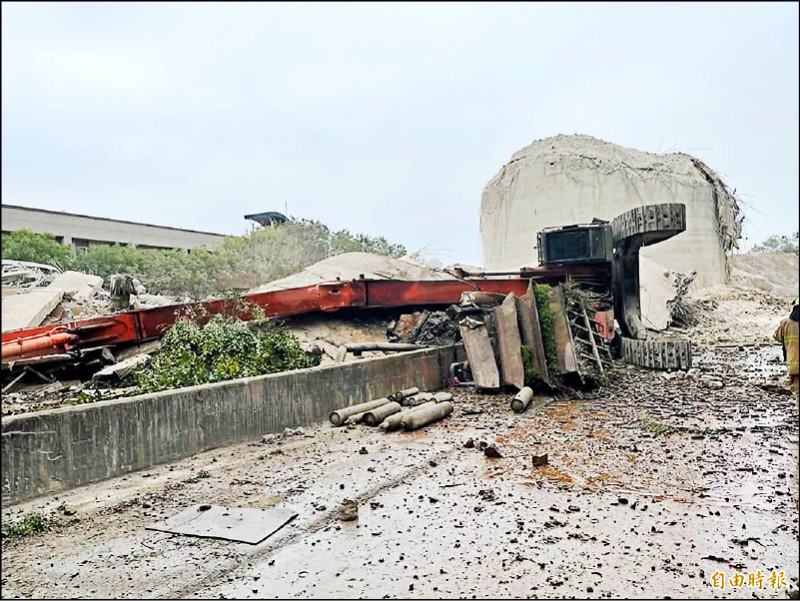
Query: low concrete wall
{"points": [[50, 451]]}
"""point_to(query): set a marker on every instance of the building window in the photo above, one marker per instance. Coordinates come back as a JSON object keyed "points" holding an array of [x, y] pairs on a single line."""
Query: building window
{"points": [[80, 244]]}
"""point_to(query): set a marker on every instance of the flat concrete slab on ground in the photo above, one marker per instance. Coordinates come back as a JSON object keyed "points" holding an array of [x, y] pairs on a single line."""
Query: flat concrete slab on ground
{"points": [[241, 524], [29, 309]]}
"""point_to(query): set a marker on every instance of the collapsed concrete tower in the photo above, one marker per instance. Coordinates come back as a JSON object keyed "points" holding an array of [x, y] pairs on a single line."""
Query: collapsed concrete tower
{"points": [[568, 180]]}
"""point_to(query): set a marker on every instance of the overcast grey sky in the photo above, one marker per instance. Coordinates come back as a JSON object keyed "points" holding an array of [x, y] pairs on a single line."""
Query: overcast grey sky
{"points": [[386, 119]]}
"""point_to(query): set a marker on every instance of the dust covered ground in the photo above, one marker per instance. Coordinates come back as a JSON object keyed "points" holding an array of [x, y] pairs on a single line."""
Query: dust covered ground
{"points": [[654, 483]]}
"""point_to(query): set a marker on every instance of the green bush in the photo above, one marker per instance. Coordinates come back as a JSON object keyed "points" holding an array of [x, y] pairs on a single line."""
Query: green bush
{"points": [[32, 522], [240, 262], [780, 244], [24, 245], [540, 292], [224, 349]]}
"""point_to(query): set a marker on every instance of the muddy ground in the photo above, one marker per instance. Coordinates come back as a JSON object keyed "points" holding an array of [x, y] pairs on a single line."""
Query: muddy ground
{"points": [[654, 483]]}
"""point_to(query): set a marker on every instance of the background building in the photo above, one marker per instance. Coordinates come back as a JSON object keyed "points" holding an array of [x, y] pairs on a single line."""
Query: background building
{"points": [[83, 231]]}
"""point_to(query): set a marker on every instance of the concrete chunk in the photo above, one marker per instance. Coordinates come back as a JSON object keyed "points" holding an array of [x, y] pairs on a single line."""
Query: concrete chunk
{"points": [[565, 352], [79, 286], [28, 310], [531, 332], [481, 356], [508, 341]]}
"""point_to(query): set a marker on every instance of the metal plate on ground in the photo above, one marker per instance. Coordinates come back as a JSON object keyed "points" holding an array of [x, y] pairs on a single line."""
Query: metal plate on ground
{"points": [[241, 524]]}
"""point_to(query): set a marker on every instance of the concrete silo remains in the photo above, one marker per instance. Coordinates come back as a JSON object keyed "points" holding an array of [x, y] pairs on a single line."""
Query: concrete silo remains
{"points": [[568, 180]]}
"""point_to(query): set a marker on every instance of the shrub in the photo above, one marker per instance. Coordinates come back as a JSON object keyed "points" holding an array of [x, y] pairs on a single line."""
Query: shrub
{"points": [[32, 522], [540, 292], [780, 244], [24, 245], [224, 349], [240, 262]]}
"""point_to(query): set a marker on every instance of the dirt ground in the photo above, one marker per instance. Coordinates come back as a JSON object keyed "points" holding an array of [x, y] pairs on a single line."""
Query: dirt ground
{"points": [[655, 483]]}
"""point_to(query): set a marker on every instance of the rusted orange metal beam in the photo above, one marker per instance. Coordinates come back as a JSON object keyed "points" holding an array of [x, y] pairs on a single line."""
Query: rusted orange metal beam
{"points": [[147, 324]]}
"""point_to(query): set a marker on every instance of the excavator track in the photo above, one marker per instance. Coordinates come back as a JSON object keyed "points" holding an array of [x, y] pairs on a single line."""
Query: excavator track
{"points": [[658, 353]]}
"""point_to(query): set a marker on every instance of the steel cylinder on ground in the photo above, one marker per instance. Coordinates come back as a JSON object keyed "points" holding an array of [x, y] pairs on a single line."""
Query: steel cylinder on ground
{"points": [[356, 418], [440, 397], [339, 416], [395, 422], [427, 415], [522, 399], [403, 394], [417, 399], [373, 417]]}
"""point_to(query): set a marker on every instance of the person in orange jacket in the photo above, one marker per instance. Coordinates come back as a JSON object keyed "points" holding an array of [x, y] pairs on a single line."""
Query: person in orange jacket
{"points": [[787, 335]]}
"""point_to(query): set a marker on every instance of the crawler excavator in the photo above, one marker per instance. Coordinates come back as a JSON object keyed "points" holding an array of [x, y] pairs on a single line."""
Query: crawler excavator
{"points": [[600, 255]]}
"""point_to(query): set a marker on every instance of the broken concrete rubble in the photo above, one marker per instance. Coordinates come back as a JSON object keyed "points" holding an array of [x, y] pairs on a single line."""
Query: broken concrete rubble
{"points": [[27, 274], [123, 368], [356, 266], [531, 333], [509, 342], [480, 354], [567, 362], [28, 309], [76, 285]]}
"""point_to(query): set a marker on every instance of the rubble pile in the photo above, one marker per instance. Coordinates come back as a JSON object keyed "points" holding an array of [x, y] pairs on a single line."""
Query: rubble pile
{"points": [[39, 294], [426, 328], [26, 274], [356, 266], [549, 337]]}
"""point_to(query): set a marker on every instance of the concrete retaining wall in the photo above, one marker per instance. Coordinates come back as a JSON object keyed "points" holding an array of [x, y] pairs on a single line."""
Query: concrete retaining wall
{"points": [[50, 451]]}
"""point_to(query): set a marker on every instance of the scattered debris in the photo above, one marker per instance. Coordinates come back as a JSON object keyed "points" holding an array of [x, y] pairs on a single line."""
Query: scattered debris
{"points": [[491, 451], [348, 511], [122, 369], [539, 460], [26, 274]]}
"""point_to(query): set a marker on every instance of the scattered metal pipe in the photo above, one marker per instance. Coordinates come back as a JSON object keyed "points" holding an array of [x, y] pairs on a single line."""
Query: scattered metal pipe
{"points": [[427, 415], [361, 347], [522, 399], [356, 418], [373, 417], [402, 394], [340, 415], [440, 397], [418, 399], [395, 422]]}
